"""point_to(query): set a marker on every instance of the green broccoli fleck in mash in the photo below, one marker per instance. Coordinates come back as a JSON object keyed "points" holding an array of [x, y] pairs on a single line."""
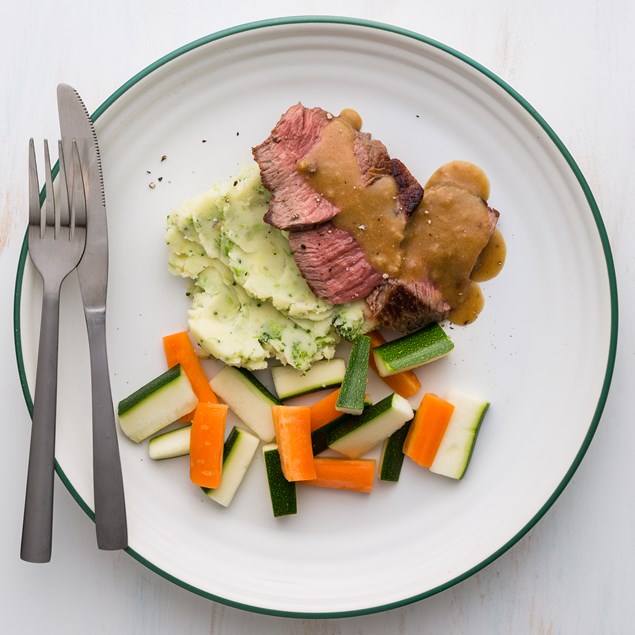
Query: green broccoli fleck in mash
{"points": [[250, 302]]}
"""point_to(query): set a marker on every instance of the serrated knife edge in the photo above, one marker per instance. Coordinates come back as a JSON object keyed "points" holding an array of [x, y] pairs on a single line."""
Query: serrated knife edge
{"points": [[76, 123]]}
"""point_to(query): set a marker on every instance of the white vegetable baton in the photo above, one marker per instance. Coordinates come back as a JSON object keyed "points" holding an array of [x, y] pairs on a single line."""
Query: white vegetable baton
{"points": [[239, 450], [290, 382], [357, 435], [247, 398], [170, 444], [157, 404], [456, 448]]}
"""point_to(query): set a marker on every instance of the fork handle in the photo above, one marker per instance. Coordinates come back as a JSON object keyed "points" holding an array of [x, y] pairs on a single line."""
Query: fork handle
{"points": [[37, 525], [110, 507]]}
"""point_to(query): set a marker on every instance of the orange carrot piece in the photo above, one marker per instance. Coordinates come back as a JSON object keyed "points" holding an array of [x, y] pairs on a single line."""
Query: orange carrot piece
{"points": [[292, 425], [179, 350], [406, 383], [323, 411], [206, 444], [427, 429], [351, 474]]}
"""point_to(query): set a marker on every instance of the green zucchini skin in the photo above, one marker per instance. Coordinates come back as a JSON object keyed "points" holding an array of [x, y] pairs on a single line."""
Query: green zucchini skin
{"points": [[413, 350], [230, 442], [290, 382], [281, 491], [351, 397], [151, 387], [169, 445], [156, 405], [457, 446], [252, 379], [238, 452], [320, 437], [351, 423], [392, 456], [359, 434]]}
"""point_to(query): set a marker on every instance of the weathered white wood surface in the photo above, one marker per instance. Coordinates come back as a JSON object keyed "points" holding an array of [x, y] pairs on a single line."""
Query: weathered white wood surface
{"points": [[574, 61]]}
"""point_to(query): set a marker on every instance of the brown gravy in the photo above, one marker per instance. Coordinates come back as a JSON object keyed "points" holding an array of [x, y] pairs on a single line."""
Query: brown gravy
{"points": [[471, 305], [462, 174], [491, 260], [488, 265], [332, 170], [352, 116], [444, 236]]}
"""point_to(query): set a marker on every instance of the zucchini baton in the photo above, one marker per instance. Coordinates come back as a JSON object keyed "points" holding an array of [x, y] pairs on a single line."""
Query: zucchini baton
{"points": [[410, 351]]}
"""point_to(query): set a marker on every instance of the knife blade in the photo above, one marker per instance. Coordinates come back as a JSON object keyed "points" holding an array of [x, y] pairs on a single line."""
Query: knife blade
{"points": [[110, 510]]}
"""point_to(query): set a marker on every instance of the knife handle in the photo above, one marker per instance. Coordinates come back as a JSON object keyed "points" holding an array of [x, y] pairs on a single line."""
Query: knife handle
{"points": [[110, 506], [37, 526]]}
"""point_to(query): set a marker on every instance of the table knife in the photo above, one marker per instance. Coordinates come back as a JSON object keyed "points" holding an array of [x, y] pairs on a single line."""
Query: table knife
{"points": [[92, 272]]}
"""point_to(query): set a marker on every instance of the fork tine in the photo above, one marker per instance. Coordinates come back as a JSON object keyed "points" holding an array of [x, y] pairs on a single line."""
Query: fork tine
{"points": [[78, 205], [35, 210], [65, 213], [51, 218]]}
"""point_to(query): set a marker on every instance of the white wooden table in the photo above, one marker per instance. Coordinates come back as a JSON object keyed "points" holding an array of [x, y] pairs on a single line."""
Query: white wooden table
{"points": [[573, 61]]}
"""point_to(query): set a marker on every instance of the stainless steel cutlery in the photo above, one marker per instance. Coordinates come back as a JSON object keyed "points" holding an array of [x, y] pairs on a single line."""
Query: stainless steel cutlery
{"points": [[62, 237], [57, 238]]}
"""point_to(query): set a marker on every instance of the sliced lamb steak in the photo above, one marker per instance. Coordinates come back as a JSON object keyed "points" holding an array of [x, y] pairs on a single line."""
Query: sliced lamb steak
{"points": [[409, 192], [372, 157], [330, 258], [333, 264], [406, 306], [294, 204], [332, 261]]}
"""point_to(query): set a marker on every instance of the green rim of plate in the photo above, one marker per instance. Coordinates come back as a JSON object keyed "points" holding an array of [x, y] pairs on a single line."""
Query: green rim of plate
{"points": [[592, 205]]}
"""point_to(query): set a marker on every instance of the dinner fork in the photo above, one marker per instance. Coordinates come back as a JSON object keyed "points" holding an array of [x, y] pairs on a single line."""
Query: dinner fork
{"points": [[56, 237]]}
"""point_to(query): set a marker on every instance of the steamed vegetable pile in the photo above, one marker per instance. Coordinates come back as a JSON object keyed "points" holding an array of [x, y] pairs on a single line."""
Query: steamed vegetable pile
{"points": [[250, 305], [439, 435]]}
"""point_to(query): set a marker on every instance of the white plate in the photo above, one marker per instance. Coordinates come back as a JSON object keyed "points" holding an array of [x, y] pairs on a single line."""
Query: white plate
{"points": [[542, 351]]}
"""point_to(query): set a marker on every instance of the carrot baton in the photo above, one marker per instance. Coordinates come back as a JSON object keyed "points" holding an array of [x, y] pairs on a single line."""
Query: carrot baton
{"points": [[427, 429], [351, 474], [293, 435], [206, 444], [179, 350], [323, 411]]}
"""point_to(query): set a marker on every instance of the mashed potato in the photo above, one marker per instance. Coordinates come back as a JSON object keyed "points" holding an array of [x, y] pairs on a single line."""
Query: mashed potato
{"points": [[250, 302]]}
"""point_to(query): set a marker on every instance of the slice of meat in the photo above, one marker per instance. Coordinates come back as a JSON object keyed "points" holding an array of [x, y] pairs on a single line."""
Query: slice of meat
{"points": [[294, 204], [406, 306], [372, 157], [409, 191], [437, 241], [333, 264], [330, 259]]}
